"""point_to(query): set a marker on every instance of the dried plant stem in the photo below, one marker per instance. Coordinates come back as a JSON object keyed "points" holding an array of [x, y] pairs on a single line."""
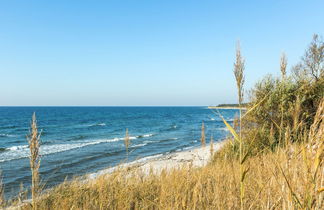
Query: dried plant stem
{"points": [[283, 65], [126, 141], [203, 139], [239, 76], [2, 199], [211, 145], [34, 144]]}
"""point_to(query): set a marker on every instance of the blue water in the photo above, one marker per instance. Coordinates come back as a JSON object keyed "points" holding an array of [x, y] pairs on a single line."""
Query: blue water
{"points": [[80, 140]]}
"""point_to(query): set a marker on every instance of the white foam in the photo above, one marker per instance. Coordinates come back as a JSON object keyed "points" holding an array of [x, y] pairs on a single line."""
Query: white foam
{"points": [[187, 148], [15, 148], [139, 145], [22, 151], [222, 129], [6, 135], [97, 124]]}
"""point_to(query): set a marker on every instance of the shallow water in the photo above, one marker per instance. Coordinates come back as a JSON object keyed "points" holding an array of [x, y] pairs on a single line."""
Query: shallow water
{"points": [[80, 140]]}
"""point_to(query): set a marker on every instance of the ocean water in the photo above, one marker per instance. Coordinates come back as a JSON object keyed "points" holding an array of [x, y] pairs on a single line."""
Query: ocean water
{"points": [[81, 140]]}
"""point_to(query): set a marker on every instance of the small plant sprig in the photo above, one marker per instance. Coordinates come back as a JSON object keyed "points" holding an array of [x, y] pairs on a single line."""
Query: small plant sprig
{"points": [[202, 138], [2, 199], [283, 65], [126, 141], [211, 145]]}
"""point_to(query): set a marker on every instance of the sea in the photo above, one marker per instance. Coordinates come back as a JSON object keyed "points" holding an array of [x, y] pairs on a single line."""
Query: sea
{"points": [[80, 140]]}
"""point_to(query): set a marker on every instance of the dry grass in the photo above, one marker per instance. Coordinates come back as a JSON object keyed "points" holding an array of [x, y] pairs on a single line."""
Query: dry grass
{"points": [[203, 138], [239, 67], [127, 141], [34, 144], [211, 144], [2, 199], [283, 65], [277, 180]]}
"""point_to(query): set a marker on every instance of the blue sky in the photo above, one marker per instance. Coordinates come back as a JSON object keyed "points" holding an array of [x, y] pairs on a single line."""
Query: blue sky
{"points": [[111, 53]]}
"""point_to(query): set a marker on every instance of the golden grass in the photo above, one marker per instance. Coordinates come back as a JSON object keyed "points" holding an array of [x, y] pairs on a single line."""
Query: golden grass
{"points": [[239, 67], [34, 145], [2, 199], [278, 180], [126, 141], [211, 144], [203, 138]]}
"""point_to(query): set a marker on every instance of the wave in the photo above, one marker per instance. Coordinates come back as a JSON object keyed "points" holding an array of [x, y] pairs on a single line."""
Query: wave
{"points": [[79, 137], [6, 135], [171, 128], [9, 127], [139, 145], [188, 148], [22, 151], [97, 124], [145, 135], [15, 148], [222, 129]]}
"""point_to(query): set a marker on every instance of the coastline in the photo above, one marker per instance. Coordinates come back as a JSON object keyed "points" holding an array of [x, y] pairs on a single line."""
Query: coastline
{"points": [[196, 157], [226, 107]]}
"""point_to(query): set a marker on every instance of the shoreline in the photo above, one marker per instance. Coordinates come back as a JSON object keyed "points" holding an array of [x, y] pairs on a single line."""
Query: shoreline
{"points": [[196, 157], [226, 107]]}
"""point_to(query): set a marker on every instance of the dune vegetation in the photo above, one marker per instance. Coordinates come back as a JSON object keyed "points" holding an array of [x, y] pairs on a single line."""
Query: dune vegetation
{"points": [[273, 158]]}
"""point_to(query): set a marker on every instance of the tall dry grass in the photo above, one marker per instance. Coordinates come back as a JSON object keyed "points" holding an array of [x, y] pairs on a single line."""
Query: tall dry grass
{"points": [[127, 141], [239, 67], [283, 65], [2, 198], [203, 138], [34, 145], [211, 144]]}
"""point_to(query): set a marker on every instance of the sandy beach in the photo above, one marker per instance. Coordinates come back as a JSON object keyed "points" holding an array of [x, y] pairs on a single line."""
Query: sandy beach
{"points": [[196, 157]]}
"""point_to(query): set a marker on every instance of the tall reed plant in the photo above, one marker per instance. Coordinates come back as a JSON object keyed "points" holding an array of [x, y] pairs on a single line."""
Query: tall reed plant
{"points": [[34, 145], [203, 138], [239, 67], [127, 141]]}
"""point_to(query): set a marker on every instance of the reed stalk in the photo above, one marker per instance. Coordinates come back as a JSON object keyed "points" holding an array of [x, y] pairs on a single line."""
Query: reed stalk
{"points": [[202, 138], [283, 65], [127, 141], [211, 145], [2, 198], [34, 145], [239, 67], [283, 69]]}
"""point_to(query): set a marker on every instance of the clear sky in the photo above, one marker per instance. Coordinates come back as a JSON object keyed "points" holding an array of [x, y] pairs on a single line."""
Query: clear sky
{"points": [[145, 52]]}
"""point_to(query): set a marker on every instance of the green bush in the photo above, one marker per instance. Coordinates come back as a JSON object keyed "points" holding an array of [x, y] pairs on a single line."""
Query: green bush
{"points": [[287, 105]]}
